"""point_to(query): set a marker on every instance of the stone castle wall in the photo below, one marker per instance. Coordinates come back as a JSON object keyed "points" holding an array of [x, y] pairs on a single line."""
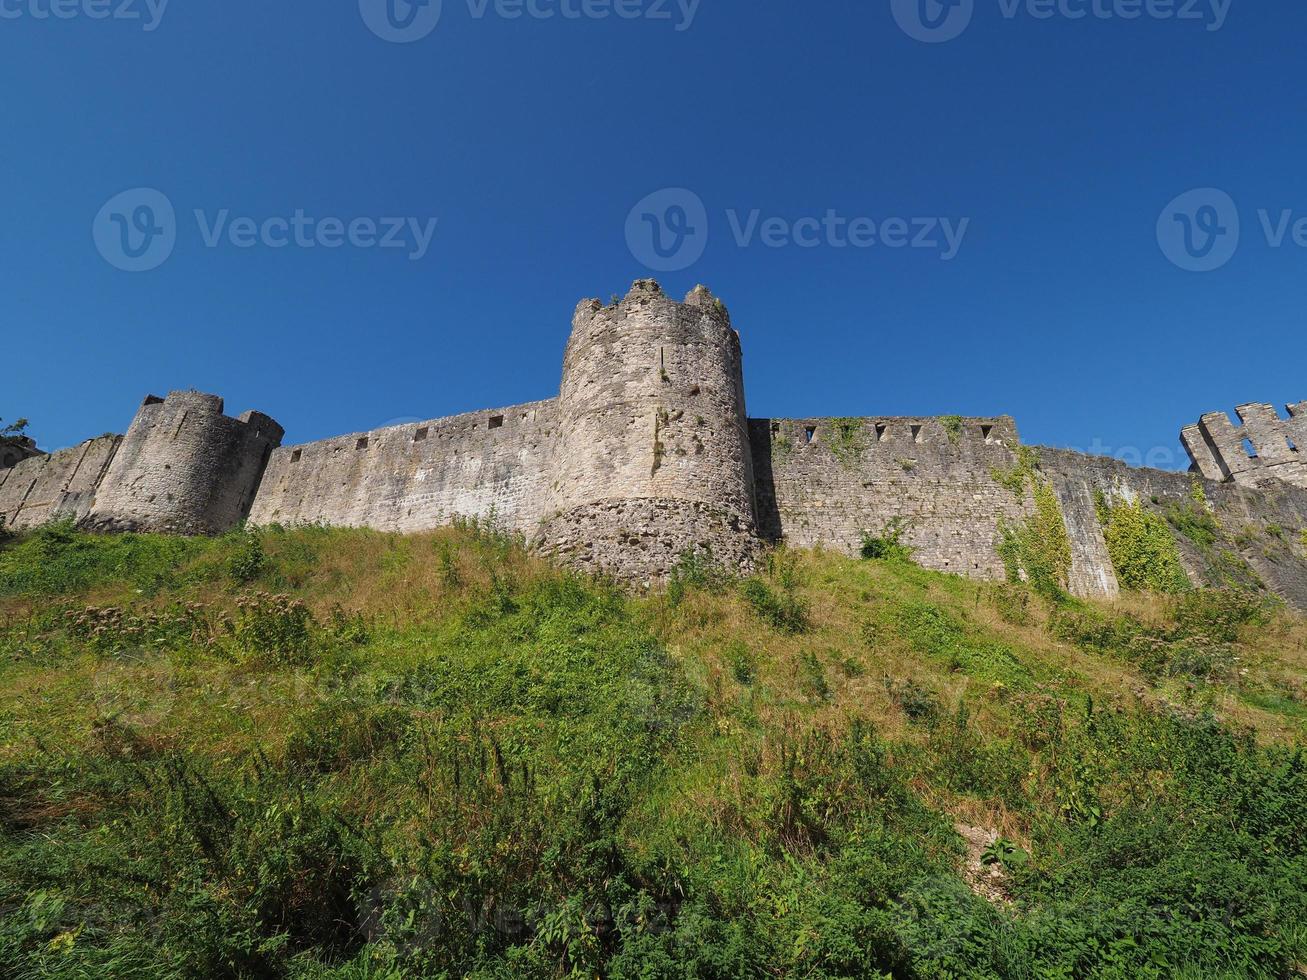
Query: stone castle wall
{"points": [[647, 452], [491, 465], [829, 481], [60, 486], [184, 467], [1262, 447], [1256, 527]]}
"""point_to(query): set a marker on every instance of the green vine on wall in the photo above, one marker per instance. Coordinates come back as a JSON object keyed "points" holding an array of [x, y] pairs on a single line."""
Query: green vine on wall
{"points": [[952, 427], [847, 442], [1038, 550], [1141, 547]]}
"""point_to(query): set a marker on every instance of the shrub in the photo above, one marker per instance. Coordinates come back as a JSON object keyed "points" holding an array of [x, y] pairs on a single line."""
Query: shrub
{"points": [[1141, 548], [887, 546], [918, 701], [248, 560], [783, 610]]}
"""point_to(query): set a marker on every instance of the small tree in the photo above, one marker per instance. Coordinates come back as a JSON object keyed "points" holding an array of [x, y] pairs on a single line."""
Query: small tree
{"points": [[15, 430]]}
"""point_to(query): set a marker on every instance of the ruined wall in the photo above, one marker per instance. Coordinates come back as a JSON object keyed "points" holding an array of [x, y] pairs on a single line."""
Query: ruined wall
{"points": [[827, 481], [1219, 451], [56, 487], [184, 468], [488, 465], [1257, 528], [653, 454]]}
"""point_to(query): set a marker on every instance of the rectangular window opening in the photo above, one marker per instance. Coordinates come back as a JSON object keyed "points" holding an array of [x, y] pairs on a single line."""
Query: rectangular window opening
{"points": [[296, 455], [1249, 448], [362, 443], [496, 421], [420, 434]]}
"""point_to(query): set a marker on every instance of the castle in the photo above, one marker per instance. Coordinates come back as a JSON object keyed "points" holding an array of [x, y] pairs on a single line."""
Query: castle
{"points": [[647, 451]]}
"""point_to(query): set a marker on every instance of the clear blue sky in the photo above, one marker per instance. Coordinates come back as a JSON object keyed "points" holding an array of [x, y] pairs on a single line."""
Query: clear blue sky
{"points": [[530, 140]]}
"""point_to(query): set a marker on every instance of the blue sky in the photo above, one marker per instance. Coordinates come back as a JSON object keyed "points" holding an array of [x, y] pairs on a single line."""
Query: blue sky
{"points": [[1060, 140]]}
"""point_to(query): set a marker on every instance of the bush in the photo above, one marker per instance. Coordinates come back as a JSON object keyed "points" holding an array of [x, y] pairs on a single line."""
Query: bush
{"points": [[248, 560], [888, 546], [1142, 550], [784, 611]]}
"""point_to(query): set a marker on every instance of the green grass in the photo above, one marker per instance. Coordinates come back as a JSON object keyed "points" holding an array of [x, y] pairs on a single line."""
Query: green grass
{"points": [[320, 753]]}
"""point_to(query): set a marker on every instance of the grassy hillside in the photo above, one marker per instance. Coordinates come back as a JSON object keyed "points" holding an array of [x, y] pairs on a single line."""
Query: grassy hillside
{"points": [[322, 753]]}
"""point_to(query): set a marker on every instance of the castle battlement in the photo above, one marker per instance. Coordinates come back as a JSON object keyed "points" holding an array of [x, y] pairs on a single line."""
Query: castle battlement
{"points": [[647, 453], [1262, 447]]}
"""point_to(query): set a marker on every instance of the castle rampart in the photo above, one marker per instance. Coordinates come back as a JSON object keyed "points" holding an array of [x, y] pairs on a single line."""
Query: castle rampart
{"points": [[647, 453], [184, 467], [492, 465], [60, 486], [830, 481]]}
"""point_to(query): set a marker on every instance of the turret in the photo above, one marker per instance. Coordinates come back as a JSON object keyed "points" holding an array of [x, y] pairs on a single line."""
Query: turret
{"points": [[183, 467], [653, 454]]}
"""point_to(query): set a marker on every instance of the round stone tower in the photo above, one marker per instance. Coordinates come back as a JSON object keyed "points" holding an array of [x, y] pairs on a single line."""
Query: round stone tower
{"points": [[653, 455], [184, 468]]}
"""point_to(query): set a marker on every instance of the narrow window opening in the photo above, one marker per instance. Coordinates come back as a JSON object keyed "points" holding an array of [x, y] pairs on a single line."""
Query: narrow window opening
{"points": [[916, 434], [986, 431], [295, 456], [496, 421], [775, 428], [421, 434], [809, 433], [1249, 449], [882, 431], [362, 443]]}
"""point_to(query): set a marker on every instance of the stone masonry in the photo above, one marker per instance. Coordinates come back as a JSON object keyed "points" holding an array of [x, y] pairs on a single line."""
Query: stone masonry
{"points": [[648, 453], [1262, 447]]}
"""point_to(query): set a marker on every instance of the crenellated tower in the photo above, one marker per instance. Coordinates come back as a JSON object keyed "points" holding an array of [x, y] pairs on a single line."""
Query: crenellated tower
{"points": [[653, 454], [184, 467]]}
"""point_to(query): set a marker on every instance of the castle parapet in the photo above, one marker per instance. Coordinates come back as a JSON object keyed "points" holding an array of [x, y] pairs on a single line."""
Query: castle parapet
{"points": [[1262, 447]]}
